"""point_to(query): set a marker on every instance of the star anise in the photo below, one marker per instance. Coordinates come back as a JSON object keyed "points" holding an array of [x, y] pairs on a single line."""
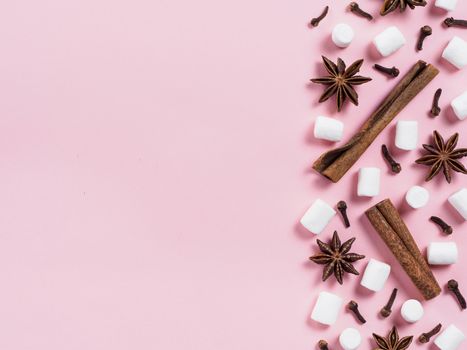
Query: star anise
{"points": [[392, 341], [443, 155], [392, 5], [336, 257], [340, 81]]}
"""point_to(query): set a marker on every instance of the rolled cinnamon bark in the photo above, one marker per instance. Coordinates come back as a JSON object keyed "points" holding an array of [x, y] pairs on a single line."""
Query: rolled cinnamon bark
{"points": [[335, 163], [392, 229]]}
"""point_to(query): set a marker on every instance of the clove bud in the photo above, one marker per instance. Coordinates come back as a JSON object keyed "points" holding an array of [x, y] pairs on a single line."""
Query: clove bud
{"points": [[387, 309], [451, 22], [353, 306], [393, 71], [424, 32], [453, 286], [395, 167], [323, 345], [443, 225], [315, 21], [355, 8], [435, 109], [425, 337], [342, 207]]}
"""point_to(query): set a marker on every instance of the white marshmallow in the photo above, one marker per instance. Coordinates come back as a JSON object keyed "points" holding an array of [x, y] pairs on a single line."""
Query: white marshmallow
{"points": [[327, 308], [412, 311], [389, 41], [317, 216], [350, 339], [450, 339], [417, 197], [448, 5], [456, 52], [459, 105], [375, 275], [407, 135], [328, 129], [459, 201], [368, 182], [442, 253], [342, 35]]}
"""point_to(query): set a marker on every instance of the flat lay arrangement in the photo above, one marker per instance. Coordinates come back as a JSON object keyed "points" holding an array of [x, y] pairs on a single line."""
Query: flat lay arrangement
{"points": [[442, 157]]}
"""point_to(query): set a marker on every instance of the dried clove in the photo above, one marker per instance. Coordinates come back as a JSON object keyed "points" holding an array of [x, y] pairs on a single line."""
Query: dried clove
{"points": [[323, 345], [315, 21], [442, 224], [342, 207], [425, 337], [451, 22], [353, 306], [387, 309], [355, 8], [424, 32], [435, 109], [453, 286], [395, 167], [393, 71]]}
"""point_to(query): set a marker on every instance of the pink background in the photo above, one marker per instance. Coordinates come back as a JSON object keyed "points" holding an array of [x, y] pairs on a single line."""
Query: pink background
{"points": [[156, 160]]}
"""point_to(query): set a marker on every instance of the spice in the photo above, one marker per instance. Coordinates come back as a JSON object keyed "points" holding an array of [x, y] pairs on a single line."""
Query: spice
{"points": [[340, 81], [353, 306], [424, 32], [336, 162], [336, 258], [395, 167], [323, 345], [451, 22], [393, 71], [392, 5], [435, 109], [442, 224], [355, 8], [315, 21], [443, 156], [425, 337], [387, 309], [453, 286], [342, 207], [387, 222], [392, 341]]}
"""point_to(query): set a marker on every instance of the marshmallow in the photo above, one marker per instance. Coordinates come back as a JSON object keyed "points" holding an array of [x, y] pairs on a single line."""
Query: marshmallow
{"points": [[456, 52], [368, 182], [459, 105], [317, 216], [327, 308], [389, 41], [450, 339], [412, 311], [459, 201], [407, 134], [328, 129], [448, 5], [442, 253], [342, 35], [417, 197], [375, 275], [350, 339]]}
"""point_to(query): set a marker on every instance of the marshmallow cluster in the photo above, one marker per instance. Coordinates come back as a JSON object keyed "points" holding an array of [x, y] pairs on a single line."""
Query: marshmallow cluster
{"points": [[456, 52], [375, 275], [327, 308], [317, 216], [459, 106]]}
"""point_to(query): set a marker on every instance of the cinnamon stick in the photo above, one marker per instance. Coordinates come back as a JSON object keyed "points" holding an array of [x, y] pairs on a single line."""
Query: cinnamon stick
{"points": [[392, 229], [335, 163]]}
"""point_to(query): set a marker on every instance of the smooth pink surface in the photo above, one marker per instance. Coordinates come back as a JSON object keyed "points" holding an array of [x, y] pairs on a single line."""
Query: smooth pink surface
{"points": [[156, 160]]}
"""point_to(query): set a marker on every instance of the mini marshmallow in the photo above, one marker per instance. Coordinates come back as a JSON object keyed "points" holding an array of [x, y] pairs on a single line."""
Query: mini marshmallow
{"points": [[350, 339], [459, 201], [456, 52], [368, 182], [442, 253], [450, 339], [342, 35], [328, 129], [448, 5], [327, 308], [317, 216], [389, 41], [407, 135], [412, 311], [459, 105], [375, 275], [417, 197]]}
